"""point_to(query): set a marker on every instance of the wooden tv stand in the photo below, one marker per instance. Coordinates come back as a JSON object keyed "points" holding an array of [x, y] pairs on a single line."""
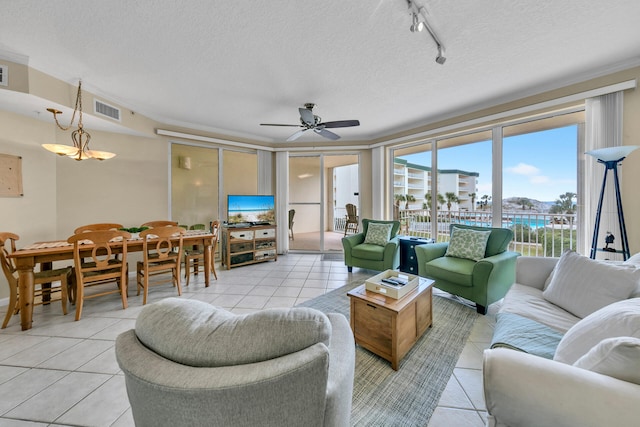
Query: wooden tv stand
{"points": [[248, 245]]}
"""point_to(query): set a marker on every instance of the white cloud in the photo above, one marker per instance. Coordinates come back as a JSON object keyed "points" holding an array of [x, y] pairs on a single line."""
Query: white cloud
{"points": [[524, 169], [539, 179]]}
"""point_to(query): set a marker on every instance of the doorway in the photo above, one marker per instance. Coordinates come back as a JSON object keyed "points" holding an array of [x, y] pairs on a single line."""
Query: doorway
{"points": [[318, 186]]}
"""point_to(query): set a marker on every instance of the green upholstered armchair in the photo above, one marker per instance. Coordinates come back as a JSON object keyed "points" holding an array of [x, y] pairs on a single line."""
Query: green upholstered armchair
{"points": [[484, 281], [369, 256]]}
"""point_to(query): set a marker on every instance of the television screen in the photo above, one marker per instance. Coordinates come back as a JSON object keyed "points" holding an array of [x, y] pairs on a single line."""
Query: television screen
{"points": [[251, 209]]}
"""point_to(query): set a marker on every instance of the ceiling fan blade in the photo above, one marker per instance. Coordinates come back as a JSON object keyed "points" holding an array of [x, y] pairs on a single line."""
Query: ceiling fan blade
{"points": [[341, 124], [277, 124], [307, 116], [326, 134], [296, 135]]}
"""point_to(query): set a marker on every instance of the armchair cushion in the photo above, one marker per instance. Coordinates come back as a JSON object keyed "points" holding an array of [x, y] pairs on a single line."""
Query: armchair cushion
{"points": [[617, 357], [468, 243], [195, 333], [457, 270], [368, 251], [378, 234]]}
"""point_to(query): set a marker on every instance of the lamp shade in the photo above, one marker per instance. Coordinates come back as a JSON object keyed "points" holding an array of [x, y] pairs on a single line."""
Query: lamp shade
{"points": [[611, 154]]}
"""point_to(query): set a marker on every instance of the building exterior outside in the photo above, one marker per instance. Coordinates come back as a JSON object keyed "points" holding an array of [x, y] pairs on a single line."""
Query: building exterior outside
{"points": [[415, 180]]}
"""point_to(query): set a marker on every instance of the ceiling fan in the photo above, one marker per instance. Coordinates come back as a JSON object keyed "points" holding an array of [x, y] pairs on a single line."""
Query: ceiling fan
{"points": [[308, 121]]}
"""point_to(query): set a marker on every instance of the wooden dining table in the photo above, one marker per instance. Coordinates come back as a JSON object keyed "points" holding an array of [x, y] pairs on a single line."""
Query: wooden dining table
{"points": [[47, 252]]}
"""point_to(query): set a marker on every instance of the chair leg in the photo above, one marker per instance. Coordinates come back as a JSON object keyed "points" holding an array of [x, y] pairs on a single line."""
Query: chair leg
{"points": [[79, 301], [11, 308], [64, 284], [349, 269], [176, 278], [187, 265], [124, 290], [481, 309], [213, 267], [145, 290]]}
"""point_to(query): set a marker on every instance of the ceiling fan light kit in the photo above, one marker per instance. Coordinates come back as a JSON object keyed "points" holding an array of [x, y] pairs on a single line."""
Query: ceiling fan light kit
{"points": [[418, 25], [309, 121]]}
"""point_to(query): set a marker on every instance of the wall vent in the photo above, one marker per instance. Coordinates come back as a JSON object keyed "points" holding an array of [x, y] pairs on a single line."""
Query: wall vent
{"points": [[106, 110], [4, 75]]}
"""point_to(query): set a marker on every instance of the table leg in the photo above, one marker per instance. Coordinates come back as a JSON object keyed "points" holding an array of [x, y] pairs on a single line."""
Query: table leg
{"points": [[25, 283], [207, 264]]}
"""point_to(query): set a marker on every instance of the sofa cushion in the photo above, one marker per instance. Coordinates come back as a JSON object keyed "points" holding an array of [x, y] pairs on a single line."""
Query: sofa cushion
{"points": [[378, 234], [616, 357], [195, 333], [620, 319], [368, 252], [467, 243], [451, 269], [581, 285], [527, 301]]}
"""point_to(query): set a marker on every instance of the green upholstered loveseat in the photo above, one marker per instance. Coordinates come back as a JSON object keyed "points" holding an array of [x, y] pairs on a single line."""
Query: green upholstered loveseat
{"points": [[372, 257], [484, 281]]}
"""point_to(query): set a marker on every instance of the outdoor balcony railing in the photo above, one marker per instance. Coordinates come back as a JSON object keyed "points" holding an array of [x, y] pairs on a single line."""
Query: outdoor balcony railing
{"points": [[535, 234]]}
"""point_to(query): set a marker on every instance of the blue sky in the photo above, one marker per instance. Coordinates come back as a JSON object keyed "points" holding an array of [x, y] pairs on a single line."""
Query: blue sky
{"points": [[540, 165]]}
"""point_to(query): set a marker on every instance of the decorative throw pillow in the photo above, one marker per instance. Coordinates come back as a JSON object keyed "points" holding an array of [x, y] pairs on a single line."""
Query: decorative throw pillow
{"points": [[195, 333], [378, 234], [616, 357], [620, 319], [581, 285], [467, 243]]}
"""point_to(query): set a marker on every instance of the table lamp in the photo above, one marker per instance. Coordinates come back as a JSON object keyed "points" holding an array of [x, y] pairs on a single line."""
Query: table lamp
{"points": [[610, 157]]}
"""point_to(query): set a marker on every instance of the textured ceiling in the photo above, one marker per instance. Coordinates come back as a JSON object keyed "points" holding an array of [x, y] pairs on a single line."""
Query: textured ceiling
{"points": [[227, 66]]}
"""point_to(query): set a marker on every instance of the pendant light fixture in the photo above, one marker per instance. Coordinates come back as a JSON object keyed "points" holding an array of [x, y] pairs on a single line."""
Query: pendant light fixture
{"points": [[80, 149]]}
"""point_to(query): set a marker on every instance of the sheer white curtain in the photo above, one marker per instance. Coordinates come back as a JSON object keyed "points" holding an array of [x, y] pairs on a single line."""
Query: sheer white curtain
{"points": [[603, 128]]}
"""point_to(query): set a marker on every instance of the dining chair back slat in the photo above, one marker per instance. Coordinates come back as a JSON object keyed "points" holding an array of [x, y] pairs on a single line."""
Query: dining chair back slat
{"points": [[104, 265], [98, 227], [160, 223], [162, 254]]}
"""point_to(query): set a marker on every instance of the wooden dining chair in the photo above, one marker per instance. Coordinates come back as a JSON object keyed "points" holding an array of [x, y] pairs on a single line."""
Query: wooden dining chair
{"points": [[102, 248], [160, 257], [98, 227], [61, 275], [160, 223], [195, 255]]}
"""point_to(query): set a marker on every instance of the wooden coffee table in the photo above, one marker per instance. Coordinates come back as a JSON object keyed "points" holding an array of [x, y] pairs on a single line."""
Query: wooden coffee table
{"points": [[389, 327]]}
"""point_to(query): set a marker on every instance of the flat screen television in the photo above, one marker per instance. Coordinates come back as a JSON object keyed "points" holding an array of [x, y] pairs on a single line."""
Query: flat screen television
{"points": [[252, 209]]}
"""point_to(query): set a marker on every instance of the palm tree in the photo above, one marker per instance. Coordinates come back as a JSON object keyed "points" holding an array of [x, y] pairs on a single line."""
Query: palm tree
{"points": [[473, 201], [564, 204], [441, 200], [427, 204], [408, 198], [485, 201], [451, 198]]}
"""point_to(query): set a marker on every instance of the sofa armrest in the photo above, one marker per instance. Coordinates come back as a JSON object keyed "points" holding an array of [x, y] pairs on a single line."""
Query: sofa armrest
{"points": [[353, 240], [342, 360], [534, 271], [525, 390]]}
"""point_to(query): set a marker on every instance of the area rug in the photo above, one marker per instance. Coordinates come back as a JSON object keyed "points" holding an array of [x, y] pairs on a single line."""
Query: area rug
{"points": [[408, 396]]}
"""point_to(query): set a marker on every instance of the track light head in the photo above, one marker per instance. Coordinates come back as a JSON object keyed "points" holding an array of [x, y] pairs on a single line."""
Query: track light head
{"points": [[440, 59], [417, 25]]}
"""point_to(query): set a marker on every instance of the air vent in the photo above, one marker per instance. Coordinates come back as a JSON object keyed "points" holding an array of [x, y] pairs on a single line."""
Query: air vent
{"points": [[106, 110], [4, 75]]}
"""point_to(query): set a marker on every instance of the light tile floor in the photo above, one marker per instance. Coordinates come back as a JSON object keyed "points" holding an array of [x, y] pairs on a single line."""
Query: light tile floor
{"points": [[63, 372]]}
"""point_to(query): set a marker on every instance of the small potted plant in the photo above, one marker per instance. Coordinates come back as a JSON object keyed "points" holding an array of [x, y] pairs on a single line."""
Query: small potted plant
{"points": [[135, 231]]}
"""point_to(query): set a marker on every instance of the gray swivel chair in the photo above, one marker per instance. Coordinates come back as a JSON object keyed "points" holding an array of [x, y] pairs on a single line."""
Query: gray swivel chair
{"points": [[190, 363]]}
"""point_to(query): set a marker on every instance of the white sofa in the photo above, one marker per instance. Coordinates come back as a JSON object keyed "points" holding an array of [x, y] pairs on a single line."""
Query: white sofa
{"points": [[526, 390]]}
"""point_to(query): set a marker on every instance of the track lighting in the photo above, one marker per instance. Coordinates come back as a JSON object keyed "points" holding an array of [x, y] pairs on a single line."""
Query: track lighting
{"points": [[418, 25], [440, 59]]}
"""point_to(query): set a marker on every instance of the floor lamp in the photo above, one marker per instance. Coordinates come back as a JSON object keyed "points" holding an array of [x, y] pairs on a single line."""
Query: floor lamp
{"points": [[610, 157]]}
